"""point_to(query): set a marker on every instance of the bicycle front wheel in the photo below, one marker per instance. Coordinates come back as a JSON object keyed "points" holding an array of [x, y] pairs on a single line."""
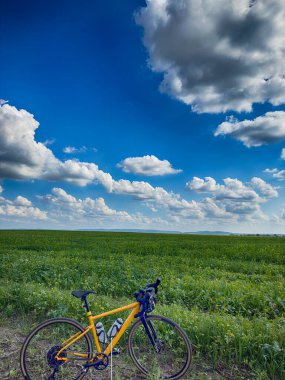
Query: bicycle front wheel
{"points": [[164, 352], [38, 355]]}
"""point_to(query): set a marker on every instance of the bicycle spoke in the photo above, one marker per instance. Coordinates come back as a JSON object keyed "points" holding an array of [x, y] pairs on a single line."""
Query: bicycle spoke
{"points": [[40, 354], [169, 356]]}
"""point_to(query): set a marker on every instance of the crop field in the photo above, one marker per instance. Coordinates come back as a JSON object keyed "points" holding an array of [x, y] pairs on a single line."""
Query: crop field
{"points": [[227, 292]]}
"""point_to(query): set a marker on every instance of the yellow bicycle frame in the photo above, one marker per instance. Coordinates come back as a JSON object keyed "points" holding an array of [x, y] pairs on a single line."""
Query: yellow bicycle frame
{"points": [[67, 343]]}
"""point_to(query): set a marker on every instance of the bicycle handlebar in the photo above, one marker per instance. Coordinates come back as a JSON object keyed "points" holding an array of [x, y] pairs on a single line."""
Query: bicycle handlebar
{"points": [[143, 294], [155, 285]]}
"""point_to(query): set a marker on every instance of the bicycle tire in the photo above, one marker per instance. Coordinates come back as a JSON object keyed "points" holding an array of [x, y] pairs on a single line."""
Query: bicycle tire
{"points": [[162, 362], [45, 345]]}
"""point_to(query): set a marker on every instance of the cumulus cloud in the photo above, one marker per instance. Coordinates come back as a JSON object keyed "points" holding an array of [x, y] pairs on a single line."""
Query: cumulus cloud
{"points": [[147, 165], [212, 210], [233, 188], [232, 200], [79, 173], [22, 157], [87, 207], [217, 55], [2, 102], [264, 188], [279, 175], [276, 173], [144, 191], [71, 149], [270, 171], [233, 197], [64, 205], [20, 207], [266, 129]]}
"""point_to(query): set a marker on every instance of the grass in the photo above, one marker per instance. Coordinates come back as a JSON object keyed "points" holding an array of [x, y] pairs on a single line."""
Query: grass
{"points": [[227, 292]]}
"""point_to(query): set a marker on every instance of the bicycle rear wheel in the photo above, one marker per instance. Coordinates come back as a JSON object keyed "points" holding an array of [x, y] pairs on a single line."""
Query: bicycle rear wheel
{"points": [[169, 357], [38, 355]]}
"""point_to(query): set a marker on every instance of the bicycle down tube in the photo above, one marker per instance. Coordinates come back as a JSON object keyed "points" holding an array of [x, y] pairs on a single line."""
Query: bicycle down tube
{"points": [[135, 306]]}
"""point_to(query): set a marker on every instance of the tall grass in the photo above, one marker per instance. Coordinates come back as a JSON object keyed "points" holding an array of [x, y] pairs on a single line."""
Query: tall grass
{"points": [[227, 292]]}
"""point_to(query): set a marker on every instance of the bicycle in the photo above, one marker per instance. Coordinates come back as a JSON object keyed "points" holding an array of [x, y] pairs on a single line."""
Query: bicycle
{"points": [[61, 348]]}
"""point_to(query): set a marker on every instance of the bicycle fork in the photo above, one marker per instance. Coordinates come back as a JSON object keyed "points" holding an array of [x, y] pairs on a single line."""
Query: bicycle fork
{"points": [[151, 333]]}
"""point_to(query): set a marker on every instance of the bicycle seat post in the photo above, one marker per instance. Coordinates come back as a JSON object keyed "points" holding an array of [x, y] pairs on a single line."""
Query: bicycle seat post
{"points": [[86, 305]]}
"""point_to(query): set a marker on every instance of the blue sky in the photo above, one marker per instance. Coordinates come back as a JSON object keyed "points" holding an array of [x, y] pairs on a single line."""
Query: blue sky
{"points": [[142, 84]]}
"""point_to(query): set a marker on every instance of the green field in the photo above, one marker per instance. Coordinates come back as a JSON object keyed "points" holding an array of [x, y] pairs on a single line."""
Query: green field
{"points": [[227, 292]]}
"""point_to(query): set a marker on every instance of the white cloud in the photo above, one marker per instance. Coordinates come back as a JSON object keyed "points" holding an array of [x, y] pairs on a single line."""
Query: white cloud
{"points": [[64, 205], [2, 102], [22, 201], [279, 175], [214, 210], [265, 189], [217, 55], [233, 198], [87, 207], [49, 142], [148, 166], [266, 129], [77, 172], [71, 149], [22, 157], [270, 171], [20, 207], [279, 219], [159, 196], [276, 173], [231, 189]]}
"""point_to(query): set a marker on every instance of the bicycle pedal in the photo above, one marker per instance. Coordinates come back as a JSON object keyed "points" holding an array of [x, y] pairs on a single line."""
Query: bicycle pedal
{"points": [[115, 352]]}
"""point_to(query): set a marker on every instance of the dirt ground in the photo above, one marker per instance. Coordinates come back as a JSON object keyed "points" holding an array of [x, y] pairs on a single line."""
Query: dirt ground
{"points": [[11, 341]]}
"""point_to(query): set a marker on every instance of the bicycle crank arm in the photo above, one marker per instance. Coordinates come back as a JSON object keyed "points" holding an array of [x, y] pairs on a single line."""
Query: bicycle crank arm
{"points": [[99, 363]]}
